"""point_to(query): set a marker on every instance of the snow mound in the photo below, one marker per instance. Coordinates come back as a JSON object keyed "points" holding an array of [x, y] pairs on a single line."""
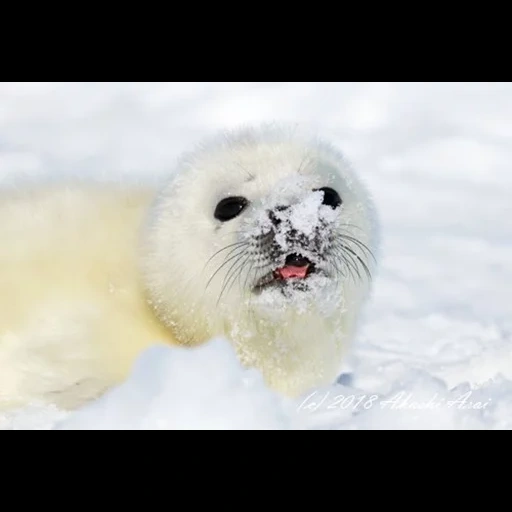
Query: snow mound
{"points": [[204, 388]]}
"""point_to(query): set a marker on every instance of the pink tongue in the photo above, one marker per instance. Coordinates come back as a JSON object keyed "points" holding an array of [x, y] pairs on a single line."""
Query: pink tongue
{"points": [[291, 271]]}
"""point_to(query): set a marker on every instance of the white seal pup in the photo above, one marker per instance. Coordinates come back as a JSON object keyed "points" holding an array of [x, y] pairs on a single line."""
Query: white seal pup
{"points": [[262, 235]]}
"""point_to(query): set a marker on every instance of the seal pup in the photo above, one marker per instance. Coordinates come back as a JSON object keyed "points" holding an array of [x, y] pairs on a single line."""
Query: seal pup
{"points": [[263, 235]]}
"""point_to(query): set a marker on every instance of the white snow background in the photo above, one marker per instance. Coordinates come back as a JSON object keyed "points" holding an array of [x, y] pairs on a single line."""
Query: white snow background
{"points": [[434, 350]]}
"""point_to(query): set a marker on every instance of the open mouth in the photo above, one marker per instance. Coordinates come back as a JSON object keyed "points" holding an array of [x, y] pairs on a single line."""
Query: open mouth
{"points": [[297, 269]]}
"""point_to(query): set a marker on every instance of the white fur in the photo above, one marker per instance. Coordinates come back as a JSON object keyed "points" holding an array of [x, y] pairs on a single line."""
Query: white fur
{"points": [[93, 274]]}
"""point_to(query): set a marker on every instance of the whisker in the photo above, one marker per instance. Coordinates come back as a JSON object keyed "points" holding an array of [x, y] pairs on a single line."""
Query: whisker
{"points": [[345, 225], [340, 257], [240, 256], [241, 252], [247, 291], [238, 274], [354, 254], [253, 268], [364, 265], [350, 264], [339, 271], [238, 244], [229, 276], [362, 245]]}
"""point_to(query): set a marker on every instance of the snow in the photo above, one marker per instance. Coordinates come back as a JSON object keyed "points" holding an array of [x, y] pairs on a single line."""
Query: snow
{"points": [[198, 389], [434, 350]]}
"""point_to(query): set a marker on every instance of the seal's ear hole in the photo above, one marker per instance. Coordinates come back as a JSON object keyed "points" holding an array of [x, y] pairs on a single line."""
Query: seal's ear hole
{"points": [[230, 208], [331, 197]]}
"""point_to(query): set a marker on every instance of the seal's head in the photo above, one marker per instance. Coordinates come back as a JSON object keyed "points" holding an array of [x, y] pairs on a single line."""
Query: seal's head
{"points": [[267, 237]]}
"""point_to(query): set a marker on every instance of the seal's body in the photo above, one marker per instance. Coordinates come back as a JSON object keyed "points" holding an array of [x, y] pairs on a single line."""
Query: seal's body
{"points": [[72, 310], [263, 236]]}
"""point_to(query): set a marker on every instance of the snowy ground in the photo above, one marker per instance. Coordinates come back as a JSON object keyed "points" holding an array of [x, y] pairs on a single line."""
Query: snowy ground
{"points": [[435, 349]]}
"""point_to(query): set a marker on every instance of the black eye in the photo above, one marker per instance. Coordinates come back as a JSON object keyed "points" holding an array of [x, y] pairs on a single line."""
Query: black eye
{"points": [[331, 197], [230, 208]]}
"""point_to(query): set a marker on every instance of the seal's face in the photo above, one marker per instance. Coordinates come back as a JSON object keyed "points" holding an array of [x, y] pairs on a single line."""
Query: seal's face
{"points": [[289, 228]]}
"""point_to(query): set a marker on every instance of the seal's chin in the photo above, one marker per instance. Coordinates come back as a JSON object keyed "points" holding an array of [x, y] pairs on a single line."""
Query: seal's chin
{"points": [[295, 273]]}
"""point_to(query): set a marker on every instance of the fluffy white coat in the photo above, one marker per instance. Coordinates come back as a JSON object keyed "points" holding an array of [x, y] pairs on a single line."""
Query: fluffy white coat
{"points": [[93, 274]]}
